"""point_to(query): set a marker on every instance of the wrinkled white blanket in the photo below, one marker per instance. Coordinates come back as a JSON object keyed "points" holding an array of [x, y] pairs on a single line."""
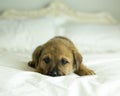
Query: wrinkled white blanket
{"points": [[17, 82]]}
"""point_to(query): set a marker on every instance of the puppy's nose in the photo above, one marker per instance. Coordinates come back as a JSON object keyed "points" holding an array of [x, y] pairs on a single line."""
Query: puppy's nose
{"points": [[53, 73]]}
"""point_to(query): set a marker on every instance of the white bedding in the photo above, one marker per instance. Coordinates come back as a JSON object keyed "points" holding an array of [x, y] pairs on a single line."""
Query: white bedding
{"points": [[17, 79]]}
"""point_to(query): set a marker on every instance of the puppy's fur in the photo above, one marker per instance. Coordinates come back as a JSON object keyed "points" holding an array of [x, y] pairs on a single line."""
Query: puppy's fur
{"points": [[58, 57]]}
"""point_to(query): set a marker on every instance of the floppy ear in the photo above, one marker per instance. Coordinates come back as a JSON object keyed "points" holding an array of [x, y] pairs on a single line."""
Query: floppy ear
{"points": [[77, 59], [36, 55]]}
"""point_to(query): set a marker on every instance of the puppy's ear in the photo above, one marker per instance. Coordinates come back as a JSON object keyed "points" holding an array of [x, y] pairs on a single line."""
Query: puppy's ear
{"points": [[77, 59], [36, 55]]}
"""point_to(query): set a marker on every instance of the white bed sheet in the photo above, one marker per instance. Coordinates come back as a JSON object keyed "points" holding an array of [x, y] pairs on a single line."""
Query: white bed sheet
{"points": [[17, 79]]}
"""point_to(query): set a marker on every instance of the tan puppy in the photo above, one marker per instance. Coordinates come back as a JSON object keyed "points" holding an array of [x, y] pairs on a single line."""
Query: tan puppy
{"points": [[58, 57]]}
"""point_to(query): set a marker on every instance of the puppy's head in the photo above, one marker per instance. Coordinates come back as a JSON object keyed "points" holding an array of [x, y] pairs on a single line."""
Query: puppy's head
{"points": [[57, 59]]}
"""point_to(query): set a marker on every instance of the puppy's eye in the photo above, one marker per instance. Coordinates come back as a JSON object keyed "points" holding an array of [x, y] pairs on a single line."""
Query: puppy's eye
{"points": [[64, 61], [46, 60]]}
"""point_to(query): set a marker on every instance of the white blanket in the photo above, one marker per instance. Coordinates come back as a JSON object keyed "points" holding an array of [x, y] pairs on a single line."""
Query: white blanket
{"points": [[17, 79]]}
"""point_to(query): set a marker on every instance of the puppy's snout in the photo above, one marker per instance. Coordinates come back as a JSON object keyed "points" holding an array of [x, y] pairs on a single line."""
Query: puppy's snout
{"points": [[53, 73]]}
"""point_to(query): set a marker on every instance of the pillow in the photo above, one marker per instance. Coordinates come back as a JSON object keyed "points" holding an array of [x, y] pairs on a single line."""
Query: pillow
{"points": [[25, 34], [94, 38], [58, 8]]}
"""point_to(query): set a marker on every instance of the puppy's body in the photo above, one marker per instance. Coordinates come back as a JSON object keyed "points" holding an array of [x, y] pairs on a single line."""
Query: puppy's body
{"points": [[58, 57]]}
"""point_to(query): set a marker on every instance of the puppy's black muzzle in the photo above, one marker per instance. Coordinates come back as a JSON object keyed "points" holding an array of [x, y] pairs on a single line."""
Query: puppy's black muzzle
{"points": [[53, 73]]}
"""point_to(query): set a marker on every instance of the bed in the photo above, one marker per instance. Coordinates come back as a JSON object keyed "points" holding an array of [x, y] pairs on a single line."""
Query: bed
{"points": [[96, 36]]}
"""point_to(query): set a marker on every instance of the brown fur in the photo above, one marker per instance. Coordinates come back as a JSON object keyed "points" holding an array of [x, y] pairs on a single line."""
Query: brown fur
{"points": [[58, 57]]}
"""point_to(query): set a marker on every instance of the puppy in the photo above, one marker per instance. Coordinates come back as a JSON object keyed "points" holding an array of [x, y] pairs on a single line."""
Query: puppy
{"points": [[58, 57]]}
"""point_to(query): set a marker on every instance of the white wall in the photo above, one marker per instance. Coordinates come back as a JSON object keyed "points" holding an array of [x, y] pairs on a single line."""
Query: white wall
{"points": [[22, 4], [112, 6]]}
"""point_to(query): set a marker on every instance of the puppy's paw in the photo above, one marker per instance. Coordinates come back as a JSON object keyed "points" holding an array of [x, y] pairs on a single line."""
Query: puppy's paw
{"points": [[85, 72], [31, 64], [89, 72]]}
